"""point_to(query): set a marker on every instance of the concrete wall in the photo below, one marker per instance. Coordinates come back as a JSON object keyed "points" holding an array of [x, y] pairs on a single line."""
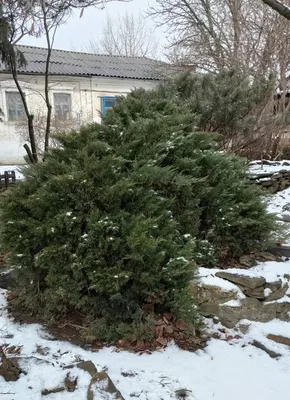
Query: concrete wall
{"points": [[86, 94]]}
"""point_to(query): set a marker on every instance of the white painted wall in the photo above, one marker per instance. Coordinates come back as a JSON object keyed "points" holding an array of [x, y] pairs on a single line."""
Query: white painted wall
{"points": [[85, 93]]}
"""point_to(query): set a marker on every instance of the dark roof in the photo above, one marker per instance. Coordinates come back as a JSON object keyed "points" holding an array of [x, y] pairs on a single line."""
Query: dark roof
{"points": [[87, 64]]}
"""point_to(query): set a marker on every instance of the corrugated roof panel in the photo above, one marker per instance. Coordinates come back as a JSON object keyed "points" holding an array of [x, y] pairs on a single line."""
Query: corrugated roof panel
{"points": [[73, 64]]}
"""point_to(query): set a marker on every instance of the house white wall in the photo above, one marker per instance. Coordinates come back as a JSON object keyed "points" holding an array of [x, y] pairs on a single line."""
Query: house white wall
{"points": [[86, 94]]}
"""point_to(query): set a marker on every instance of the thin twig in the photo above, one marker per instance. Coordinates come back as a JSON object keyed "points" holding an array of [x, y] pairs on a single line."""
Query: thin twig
{"points": [[7, 393]]}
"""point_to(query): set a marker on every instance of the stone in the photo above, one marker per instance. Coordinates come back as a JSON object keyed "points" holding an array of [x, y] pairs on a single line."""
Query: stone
{"points": [[6, 279], [70, 383], [281, 308], [274, 286], [247, 261], [282, 251], [210, 294], [101, 386], [267, 256], [257, 293], [244, 328], [261, 346], [88, 366], [9, 368], [208, 298], [286, 217], [278, 294], [250, 309], [47, 392], [268, 183], [209, 310], [244, 280], [279, 339], [273, 188], [42, 350]]}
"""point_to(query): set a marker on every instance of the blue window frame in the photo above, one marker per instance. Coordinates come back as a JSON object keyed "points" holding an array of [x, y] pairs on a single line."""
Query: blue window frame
{"points": [[107, 102]]}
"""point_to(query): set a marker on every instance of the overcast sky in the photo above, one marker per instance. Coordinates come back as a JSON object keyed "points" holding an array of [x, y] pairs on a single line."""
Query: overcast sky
{"points": [[77, 32]]}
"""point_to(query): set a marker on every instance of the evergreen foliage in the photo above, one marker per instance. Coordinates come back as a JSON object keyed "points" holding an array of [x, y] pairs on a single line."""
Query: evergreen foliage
{"points": [[118, 215], [226, 103]]}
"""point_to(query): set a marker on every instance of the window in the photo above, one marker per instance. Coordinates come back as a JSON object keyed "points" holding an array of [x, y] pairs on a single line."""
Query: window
{"points": [[107, 103], [62, 105], [15, 107]]}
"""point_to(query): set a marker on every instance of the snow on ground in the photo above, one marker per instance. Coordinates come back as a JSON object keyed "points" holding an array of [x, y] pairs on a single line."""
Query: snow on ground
{"points": [[271, 271], [279, 200], [15, 168], [225, 370], [271, 167]]}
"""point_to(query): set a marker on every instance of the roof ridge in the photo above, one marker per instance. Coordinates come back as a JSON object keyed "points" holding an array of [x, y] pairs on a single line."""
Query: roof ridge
{"points": [[87, 53]]}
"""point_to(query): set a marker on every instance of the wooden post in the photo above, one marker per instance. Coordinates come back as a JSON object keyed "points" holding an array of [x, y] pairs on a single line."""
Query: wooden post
{"points": [[6, 177]]}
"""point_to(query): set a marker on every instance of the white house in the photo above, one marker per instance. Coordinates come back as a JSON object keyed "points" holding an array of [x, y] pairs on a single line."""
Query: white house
{"points": [[82, 88]]}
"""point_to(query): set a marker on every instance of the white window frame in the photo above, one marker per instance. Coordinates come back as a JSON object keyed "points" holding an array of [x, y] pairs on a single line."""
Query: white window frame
{"points": [[9, 86], [61, 92], [7, 92]]}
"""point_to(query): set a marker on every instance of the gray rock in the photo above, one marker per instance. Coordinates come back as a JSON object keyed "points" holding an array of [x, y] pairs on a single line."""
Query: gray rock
{"points": [[286, 217], [257, 293], [274, 286], [88, 366], [283, 310], [244, 280], [210, 294], [102, 387], [6, 279], [274, 187], [209, 310], [271, 353], [267, 256], [248, 261], [250, 309], [244, 328], [282, 251], [278, 294]]}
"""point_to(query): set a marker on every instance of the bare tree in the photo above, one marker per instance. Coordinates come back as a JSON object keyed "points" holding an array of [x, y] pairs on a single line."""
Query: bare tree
{"points": [[225, 34], [57, 125], [242, 35], [127, 35]]}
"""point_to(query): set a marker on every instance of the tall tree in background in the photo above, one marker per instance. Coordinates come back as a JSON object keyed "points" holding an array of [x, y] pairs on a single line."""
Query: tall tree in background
{"points": [[243, 35], [19, 18], [127, 35], [246, 36]]}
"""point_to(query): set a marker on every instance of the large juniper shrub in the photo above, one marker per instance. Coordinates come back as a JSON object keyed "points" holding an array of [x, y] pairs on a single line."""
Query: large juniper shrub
{"points": [[115, 219]]}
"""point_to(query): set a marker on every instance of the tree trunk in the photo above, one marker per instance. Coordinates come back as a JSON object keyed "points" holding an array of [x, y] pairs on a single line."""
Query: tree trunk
{"points": [[27, 113], [46, 76], [28, 151]]}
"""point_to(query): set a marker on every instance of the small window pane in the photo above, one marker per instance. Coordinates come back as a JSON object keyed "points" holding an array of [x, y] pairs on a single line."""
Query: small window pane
{"points": [[15, 106], [62, 105], [108, 102]]}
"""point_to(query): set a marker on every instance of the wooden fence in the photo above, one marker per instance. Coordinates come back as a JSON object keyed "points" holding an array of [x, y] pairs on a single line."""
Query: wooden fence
{"points": [[7, 179]]}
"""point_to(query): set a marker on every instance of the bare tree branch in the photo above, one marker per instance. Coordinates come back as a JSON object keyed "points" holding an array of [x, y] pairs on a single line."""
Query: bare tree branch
{"points": [[127, 35], [281, 8]]}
